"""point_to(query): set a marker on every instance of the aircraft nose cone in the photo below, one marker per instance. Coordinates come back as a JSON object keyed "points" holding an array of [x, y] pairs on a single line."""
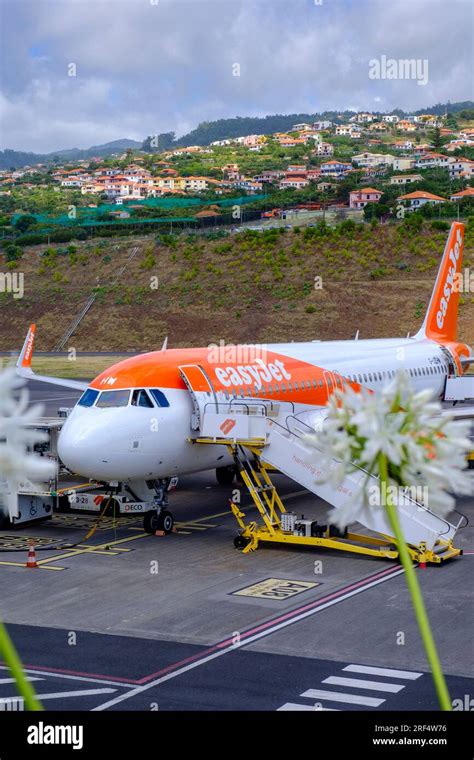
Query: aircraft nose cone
{"points": [[84, 445], [79, 456]]}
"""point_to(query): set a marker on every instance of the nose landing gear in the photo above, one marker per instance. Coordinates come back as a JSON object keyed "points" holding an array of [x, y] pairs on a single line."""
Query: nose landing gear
{"points": [[154, 521], [159, 518]]}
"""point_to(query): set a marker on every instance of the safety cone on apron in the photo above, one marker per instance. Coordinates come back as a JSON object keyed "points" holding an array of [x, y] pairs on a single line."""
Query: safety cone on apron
{"points": [[31, 562]]}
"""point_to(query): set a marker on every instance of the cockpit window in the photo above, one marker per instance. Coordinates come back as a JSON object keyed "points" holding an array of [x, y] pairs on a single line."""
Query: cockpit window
{"points": [[141, 398], [88, 398], [109, 399], [159, 397]]}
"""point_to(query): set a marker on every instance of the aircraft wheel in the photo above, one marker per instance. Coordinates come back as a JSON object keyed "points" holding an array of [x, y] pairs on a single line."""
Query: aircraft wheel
{"points": [[150, 522], [153, 521], [225, 475], [240, 542], [166, 521]]}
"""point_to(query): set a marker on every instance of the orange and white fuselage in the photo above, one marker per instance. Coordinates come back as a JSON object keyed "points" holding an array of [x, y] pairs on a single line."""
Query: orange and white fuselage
{"points": [[99, 442], [130, 437]]}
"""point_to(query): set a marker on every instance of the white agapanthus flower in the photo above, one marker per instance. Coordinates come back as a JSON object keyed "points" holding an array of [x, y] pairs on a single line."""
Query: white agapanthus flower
{"points": [[18, 462], [423, 449]]}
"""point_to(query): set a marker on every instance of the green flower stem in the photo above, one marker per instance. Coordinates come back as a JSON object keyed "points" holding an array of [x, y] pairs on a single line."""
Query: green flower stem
{"points": [[415, 593], [12, 660]]}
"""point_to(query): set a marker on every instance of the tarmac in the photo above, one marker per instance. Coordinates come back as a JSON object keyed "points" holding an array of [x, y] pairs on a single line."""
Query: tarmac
{"points": [[131, 621]]}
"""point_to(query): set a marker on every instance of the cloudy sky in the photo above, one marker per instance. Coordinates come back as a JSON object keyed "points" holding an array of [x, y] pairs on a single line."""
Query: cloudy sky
{"points": [[147, 66]]}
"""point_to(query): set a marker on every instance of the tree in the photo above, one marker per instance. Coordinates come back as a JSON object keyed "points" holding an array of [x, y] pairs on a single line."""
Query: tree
{"points": [[435, 138], [451, 121], [24, 222]]}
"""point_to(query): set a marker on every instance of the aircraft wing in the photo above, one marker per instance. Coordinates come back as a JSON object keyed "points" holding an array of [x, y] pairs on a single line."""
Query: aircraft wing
{"points": [[23, 366]]}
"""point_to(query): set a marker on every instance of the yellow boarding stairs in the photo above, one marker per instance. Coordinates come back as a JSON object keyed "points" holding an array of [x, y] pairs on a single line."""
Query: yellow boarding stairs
{"points": [[262, 435]]}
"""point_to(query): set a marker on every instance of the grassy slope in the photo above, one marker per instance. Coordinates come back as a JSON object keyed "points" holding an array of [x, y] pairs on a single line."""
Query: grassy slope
{"points": [[234, 289]]}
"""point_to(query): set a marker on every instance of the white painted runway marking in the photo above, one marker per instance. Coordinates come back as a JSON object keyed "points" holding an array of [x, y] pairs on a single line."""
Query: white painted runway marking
{"points": [[295, 707], [87, 679], [246, 641], [387, 672], [338, 696], [358, 683], [79, 693], [12, 680]]}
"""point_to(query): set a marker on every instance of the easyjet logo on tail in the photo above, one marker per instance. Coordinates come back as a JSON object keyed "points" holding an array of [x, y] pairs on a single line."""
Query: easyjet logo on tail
{"points": [[442, 317], [445, 296], [29, 347]]}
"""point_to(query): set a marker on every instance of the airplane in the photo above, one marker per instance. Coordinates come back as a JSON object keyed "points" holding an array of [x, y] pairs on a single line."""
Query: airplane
{"points": [[135, 422]]}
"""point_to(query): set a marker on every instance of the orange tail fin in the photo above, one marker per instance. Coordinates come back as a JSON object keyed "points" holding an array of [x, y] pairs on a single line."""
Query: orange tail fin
{"points": [[26, 355], [441, 319]]}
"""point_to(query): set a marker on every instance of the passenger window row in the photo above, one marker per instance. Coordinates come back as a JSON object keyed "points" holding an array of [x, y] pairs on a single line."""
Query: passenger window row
{"points": [[304, 385], [373, 377]]}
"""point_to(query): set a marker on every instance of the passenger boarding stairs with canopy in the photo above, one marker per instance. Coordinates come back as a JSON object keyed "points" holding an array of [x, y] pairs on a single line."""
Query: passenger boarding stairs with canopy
{"points": [[263, 435]]}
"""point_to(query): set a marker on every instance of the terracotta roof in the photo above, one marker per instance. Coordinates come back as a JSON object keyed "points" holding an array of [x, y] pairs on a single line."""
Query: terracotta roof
{"points": [[367, 190], [421, 194], [206, 213], [468, 192]]}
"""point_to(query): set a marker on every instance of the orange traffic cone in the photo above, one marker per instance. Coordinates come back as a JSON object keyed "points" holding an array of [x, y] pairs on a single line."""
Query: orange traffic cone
{"points": [[31, 562]]}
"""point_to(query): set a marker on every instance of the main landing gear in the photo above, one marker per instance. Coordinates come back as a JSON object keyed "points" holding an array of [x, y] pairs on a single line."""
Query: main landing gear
{"points": [[225, 475], [159, 518]]}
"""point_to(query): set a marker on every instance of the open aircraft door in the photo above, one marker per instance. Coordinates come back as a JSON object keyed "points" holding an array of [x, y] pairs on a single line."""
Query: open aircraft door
{"points": [[202, 392], [333, 381]]}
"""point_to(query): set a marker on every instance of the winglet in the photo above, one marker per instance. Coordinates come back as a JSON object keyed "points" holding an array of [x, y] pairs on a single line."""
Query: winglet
{"points": [[441, 319], [165, 344], [24, 360]]}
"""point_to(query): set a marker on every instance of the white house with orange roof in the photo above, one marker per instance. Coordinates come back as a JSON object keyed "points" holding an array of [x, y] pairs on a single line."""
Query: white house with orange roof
{"points": [[378, 126], [461, 168], [406, 126], [72, 181], [434, 160], [368, 159], [402, 163], [335, 169], [291, 142], [403, 144], [196, 184], [363, 118], [325, 149], [462, 194], [343, 130], [458, 144], [295, 182], [419, 198], [405, 179]]}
